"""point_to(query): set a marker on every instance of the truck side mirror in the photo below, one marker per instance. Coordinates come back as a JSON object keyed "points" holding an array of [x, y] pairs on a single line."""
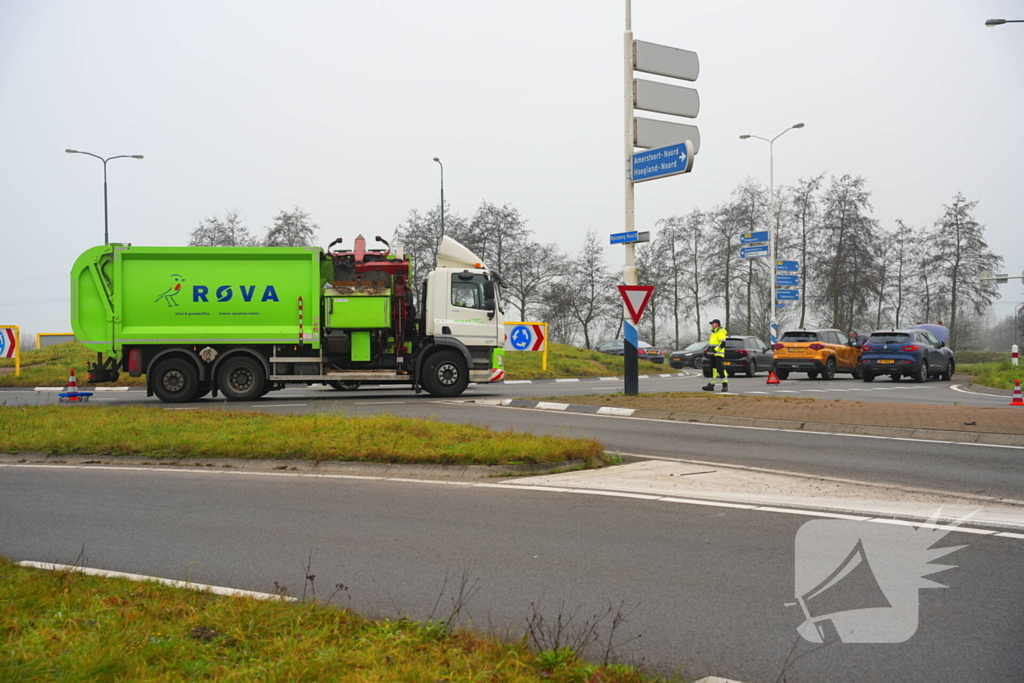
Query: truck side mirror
{"points": [[489, 290]]}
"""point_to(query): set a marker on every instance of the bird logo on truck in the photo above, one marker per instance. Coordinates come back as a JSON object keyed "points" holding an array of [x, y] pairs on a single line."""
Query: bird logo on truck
{"points": [[172, 291]]}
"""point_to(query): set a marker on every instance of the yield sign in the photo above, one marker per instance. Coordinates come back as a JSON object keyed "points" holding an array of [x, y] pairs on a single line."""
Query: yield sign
{"points": [[636, 297]]}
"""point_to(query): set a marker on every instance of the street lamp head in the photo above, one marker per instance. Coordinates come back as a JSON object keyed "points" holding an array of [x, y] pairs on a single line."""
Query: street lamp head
{"points": [[437, 160], [744, 137], [71, 151], [136, 156], [798, 125], [995, 22]]}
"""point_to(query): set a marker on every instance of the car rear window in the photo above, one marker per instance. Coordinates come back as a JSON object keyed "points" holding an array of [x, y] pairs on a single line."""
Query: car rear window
{"points": [[735, 343], [800, 336], [891, 338]]}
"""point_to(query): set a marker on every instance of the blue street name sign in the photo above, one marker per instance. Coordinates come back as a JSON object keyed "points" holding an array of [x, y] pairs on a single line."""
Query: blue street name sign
{"points": [[751, 237], [754, 252], [787, 265], [626, 237], [787, 280], [662, 162], [787, 294]]}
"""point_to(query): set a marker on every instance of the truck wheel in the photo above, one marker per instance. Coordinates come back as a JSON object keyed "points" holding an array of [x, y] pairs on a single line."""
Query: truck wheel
{"points": [[175, 380], [241, 378], [343, 386], [445, 374]]}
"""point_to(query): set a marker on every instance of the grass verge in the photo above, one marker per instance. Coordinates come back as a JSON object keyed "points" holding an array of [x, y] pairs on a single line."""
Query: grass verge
{"points": [[319, 437], [995, 375], [1003, 420], [63, 626], [49, 367], [568, 361]]}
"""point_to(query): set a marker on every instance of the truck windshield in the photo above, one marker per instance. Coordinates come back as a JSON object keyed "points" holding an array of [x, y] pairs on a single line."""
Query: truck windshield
{"points": [[468, 291]]}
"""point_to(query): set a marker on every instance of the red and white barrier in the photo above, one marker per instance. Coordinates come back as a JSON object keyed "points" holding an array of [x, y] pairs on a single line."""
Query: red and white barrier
{"points": [[1013, 354]]}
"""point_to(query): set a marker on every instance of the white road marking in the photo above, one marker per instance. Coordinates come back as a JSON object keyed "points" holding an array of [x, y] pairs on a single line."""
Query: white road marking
{"points": [[519, 487], [958, 387], [607, 379], [574, 379], [204, 588], [609, 410], [111, 389], [283, 405], [552, 406], [519, 381]]}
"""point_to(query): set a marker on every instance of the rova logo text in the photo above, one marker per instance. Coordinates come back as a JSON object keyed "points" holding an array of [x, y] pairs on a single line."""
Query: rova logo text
{"points": [[226, 293]]}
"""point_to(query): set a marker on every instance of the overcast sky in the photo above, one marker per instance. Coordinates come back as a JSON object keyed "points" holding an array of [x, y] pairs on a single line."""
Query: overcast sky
{"points": [[340, 106]]}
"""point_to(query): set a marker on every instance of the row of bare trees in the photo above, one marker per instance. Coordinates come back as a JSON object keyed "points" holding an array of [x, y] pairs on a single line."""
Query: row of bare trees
{"points": [[855, 274]]}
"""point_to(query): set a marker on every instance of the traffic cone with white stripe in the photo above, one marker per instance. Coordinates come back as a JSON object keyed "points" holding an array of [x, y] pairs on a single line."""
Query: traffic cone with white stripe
{"points": [[72, 387], [1018, 399]]}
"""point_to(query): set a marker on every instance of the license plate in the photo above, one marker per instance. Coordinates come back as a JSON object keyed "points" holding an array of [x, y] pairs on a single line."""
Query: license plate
{"points": [[887, 360]]}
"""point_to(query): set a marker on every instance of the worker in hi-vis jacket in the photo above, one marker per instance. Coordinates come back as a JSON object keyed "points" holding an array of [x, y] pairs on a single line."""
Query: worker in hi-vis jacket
{"points": [[716, 347]]}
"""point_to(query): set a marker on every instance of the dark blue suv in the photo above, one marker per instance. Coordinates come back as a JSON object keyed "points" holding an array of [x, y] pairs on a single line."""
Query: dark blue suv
{"points": [[917, 352]]}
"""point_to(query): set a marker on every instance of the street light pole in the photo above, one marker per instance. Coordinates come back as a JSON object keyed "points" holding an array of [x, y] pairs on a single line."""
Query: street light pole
{"points": [[442, 201], [999, 22], [106, 220], [1016, 321], [773, 331]]}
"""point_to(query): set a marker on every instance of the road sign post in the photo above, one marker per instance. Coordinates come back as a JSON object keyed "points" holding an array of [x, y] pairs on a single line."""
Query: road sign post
{"points": [[671, 146], [521, 336], [10, 345]]}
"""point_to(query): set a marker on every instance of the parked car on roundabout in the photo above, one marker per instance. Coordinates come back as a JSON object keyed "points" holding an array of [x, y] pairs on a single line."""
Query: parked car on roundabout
{"points": [[690, 357], [742, 354], [819, 353], [917, 352], [644, 351]]}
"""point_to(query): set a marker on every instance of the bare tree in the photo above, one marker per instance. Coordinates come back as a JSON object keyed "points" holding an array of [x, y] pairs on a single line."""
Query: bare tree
{"points": [[292, 228], [960, 252], [226, 232], [903, 272], [805, 213], [588, 288], [420, 236], [531, 270], [497, 234]]}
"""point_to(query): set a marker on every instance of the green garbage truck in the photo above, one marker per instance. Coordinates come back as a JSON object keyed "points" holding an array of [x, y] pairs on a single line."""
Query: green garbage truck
{"points": [[243, 321]]}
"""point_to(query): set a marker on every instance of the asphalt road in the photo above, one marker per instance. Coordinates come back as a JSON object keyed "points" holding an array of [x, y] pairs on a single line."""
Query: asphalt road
{"points": [[705, 587], [842, 388]]}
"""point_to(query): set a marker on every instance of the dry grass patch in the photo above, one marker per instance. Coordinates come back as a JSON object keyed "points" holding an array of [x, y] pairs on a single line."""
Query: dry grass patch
{"points": [[956, 418]]}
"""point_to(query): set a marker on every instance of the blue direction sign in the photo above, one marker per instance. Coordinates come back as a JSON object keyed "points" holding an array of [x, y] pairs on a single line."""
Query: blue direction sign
{"points": [[778, 305], [787, 294], [662, 162], [754, 252], [787, 265], [750, 237], [787, 280], [626, 237]]}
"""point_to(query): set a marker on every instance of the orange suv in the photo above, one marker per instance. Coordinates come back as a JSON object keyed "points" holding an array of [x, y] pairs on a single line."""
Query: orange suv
{"points": [[819, 353]]}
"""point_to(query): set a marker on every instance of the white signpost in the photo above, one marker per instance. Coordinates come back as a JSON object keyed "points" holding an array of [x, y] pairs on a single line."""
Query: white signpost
{"points": [[673, 145]]}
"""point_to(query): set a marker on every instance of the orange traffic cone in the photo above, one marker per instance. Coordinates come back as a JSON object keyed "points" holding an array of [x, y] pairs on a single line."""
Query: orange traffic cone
{"points": [[72, 387], [772, 379], [1018, 400]]}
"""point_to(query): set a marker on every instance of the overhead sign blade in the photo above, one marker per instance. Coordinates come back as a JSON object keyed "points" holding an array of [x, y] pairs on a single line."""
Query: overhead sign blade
{"points": [[652, 133], [661, 163], [663, 60], [665, 99]]}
